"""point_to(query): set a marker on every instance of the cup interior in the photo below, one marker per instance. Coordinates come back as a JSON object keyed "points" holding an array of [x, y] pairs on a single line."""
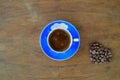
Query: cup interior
{"points": [[59, 40]]}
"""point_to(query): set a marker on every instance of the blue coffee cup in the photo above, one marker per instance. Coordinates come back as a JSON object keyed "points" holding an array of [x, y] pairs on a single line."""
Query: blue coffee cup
{"points": [[74, 43]]}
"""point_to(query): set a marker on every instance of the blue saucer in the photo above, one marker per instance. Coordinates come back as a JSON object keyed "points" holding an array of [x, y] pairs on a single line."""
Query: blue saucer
{"points": [[60, 56]]}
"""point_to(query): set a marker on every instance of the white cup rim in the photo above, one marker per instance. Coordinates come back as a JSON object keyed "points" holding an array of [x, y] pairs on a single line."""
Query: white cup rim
{"points": [[69, 43]]}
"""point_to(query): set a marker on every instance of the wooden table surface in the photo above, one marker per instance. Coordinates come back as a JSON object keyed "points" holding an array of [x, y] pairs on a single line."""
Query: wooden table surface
{"points": [[21, 22]]}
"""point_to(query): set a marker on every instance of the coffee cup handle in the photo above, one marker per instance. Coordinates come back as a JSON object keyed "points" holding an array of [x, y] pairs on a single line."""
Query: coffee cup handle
{"points": [[76, 39]]}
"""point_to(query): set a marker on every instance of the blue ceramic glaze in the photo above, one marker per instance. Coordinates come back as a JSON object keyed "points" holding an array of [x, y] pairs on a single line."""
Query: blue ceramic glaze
{"points": [[55, 55]]}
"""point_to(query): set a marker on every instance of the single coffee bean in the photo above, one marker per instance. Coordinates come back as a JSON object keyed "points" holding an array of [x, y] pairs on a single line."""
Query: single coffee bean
{"points": [[97, 52], [93, 52], [110, 55], [96, 62]]}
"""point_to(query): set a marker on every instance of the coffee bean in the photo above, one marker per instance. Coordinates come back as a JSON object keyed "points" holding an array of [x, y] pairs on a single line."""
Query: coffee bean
{"points": [[110, 55], [90, 51], [98, 53], [94, 44], [90, 55], [102, 56], [105, 59], [97, 44], [100, 45], [94, 56], [101, 52], [96, 62], [102, 48], [102, 60], [105, 54], [92, 48], [93, 52], [97, 47], [105, 49], [91, 59]]}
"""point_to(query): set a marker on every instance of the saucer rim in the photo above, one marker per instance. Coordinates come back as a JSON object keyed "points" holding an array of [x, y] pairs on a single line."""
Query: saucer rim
{"points": [[61, 52]]}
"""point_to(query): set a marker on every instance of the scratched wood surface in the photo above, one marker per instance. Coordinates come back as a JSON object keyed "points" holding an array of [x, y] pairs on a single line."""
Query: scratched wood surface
{"points": [[21, 22]]}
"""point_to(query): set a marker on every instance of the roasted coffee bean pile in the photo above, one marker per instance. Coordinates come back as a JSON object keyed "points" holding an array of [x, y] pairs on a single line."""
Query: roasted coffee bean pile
{"points": [[99, 53]]}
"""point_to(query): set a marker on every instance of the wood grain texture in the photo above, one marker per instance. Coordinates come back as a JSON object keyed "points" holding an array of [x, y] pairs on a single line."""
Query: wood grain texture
{"points": [[21, 22]]}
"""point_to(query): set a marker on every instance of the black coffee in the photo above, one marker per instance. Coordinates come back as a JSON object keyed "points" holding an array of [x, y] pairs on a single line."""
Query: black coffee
{"points": [[59, 40]]}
